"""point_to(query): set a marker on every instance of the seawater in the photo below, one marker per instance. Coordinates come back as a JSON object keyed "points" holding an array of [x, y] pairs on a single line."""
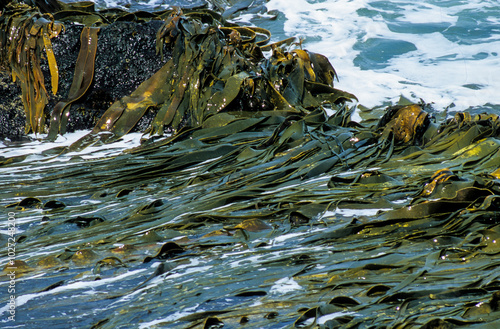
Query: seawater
{"points": [[444, 52]]}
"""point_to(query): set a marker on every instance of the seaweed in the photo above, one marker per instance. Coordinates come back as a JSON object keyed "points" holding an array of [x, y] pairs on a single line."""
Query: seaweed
{"points": [[251, 204], [214, 66], [24, 34]]}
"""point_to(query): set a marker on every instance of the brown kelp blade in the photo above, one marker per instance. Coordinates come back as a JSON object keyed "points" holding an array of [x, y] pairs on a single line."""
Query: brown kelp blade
{"points": [[84, 73], [25, 34]]}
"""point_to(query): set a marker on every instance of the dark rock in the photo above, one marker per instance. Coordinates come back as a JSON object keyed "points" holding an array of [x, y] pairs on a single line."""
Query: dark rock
{"points": [[126, 56], [12, 116]]}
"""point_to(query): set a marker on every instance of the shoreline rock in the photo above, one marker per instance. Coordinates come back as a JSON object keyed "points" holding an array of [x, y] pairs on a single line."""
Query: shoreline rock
{"points": [[161, 72], [12, 116], [126, 56]]}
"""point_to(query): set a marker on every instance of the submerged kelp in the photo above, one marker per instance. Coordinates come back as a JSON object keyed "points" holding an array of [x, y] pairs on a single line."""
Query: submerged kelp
{"points": [[268, 220], [266, 216]]}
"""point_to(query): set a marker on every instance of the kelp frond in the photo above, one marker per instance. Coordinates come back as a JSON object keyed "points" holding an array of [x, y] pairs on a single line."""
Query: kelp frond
{"points": [[24, 34], [214, 69], [214, 66], [84, 72]]}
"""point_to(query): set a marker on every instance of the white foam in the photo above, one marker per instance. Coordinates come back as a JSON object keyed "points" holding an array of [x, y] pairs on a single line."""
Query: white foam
{"points": [[38, 145], [21, 300], [285, 285], [175, 316], [126, 142], [284, 237], [347, 212], [333, 27], [35, 148]]}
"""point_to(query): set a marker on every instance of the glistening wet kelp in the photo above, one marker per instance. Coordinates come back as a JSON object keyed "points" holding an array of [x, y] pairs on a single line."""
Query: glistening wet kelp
{"points": [[214, 65], [269, 220], [125, 58], [281, 216], [215, 69], [24, 35]]}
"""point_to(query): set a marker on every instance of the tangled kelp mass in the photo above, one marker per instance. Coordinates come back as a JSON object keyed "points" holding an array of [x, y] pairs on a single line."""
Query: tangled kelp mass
{"points": [[125, 57], [249, 219], [268, 216], [213, 66]]}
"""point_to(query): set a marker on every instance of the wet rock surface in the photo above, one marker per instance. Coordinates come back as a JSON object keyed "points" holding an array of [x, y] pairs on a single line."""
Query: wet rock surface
{"points": [[126, 56], [12, 117]]}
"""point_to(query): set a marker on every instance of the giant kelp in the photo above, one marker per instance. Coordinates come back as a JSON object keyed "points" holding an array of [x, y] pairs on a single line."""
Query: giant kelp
{"points": [[243, 216]]}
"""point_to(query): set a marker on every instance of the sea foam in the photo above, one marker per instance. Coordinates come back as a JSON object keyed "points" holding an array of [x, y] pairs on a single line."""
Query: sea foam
{"points": [[384, 49]]}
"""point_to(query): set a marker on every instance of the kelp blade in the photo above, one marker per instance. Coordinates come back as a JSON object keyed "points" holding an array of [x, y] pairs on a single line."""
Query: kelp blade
{"points": [[280, 216]]}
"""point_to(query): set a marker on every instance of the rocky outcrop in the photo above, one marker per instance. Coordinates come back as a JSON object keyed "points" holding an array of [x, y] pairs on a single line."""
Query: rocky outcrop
{"points": [[118, 71], [126, 56]]}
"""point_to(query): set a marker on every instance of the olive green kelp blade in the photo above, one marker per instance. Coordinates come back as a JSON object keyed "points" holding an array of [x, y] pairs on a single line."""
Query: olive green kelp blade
{"points": [[84, 72], [210, 72]]}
